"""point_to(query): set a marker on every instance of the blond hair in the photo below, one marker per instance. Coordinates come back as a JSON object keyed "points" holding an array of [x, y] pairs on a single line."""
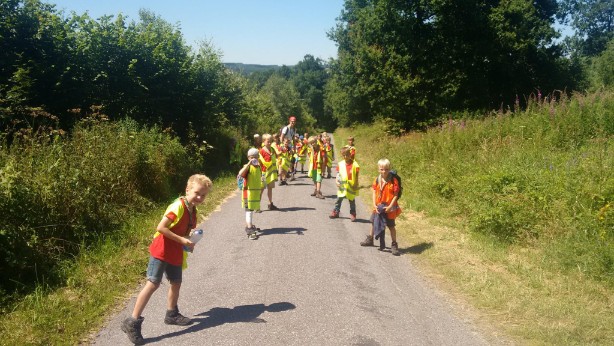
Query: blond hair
{"points": [[200, 179], [384, 163], [266, 136]]}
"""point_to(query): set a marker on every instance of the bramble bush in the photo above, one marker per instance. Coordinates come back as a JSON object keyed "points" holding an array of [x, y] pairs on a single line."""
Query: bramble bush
{"points": [[59, 194]]}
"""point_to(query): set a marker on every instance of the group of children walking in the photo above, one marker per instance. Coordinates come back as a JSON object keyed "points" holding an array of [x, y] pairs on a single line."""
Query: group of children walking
{"points": [[171, 243]]}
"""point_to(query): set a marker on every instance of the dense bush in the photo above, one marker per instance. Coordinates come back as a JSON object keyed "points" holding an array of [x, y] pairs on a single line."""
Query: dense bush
{"points": [[58, 195]]}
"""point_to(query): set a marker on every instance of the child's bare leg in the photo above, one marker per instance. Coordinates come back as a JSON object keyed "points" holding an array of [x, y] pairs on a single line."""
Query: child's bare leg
{"points": [[318, 185], [143, 298], [173, 295], [393, 233], [269, 192]]}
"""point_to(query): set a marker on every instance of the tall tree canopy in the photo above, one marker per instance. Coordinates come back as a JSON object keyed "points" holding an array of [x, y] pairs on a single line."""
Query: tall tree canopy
{"points": [[593, 22], [414, 60]]}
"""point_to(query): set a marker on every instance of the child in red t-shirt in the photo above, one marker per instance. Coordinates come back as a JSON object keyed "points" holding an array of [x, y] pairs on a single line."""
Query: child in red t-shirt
{"points": [[166, 256]]}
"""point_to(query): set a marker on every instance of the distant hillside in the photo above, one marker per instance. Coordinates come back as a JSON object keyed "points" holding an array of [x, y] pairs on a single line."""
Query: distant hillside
{"points": [[247, 69]]}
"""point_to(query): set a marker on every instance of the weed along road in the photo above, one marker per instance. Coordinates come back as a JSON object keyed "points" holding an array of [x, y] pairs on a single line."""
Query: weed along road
{"points": [[305, 281]]}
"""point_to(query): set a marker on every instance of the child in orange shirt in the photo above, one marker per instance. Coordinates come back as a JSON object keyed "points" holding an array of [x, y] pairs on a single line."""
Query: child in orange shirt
{"points": [[386, 189]]}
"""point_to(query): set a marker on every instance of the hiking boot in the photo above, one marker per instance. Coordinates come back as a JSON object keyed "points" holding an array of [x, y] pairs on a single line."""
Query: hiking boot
{"points": [[394, 248], [367, 242], [315, 192], [272, 207], [174, 317], [352, 217], [319, 195], [132, 328], [253, 235], [334, 215]]}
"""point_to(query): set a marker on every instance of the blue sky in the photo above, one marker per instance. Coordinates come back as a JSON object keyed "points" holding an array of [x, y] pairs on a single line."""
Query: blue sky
{"points": [[267, 32]]}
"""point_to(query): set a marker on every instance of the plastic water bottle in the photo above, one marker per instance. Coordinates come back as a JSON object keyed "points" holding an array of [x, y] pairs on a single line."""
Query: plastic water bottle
{"points": [[195, 236]]}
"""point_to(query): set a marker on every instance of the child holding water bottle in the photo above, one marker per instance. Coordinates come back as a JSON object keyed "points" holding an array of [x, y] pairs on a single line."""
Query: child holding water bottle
{"points": [[252, 190], [167, 256]]}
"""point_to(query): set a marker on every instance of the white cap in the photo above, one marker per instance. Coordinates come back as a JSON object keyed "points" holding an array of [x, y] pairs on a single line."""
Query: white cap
{"points": [[252, 152]]}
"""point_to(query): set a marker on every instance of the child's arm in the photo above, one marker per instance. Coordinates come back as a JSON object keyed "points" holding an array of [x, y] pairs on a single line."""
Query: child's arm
{"points": [[395, 198], [374, 198], [163, 227], [244, 170]]}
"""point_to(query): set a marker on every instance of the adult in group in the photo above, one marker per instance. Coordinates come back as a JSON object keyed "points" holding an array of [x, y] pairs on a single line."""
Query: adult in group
{"points": [[289, 130]]}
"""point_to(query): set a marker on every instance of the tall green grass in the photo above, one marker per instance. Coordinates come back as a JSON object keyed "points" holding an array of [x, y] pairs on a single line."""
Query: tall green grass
{"points": [[521, 208], [69, 313], [544, 174], [59, 194]]}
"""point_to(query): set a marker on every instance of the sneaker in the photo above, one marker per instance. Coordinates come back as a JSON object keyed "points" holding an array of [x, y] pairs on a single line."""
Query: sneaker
{"points": [[283, 182], [174, 317], [253, 235], [256, 229], [273, 207], [314, 193], [319, 195], [352, 217], [334, 215], [367, 242], [132, 328], [394, 248], [257, 211]]}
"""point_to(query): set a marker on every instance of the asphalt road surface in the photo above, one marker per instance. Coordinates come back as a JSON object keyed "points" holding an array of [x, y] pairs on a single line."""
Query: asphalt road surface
{"points": [[305, 281]]}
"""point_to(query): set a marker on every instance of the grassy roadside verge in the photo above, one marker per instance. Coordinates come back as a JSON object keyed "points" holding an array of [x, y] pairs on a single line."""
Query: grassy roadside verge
{"points": [[547, 287], [100, 281]]}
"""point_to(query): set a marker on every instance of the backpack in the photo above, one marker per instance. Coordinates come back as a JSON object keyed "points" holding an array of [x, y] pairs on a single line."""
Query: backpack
{"points": [[240, 182], [395, 175]]}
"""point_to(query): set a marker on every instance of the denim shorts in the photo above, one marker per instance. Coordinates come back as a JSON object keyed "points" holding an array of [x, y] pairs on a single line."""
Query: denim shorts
{"points": [[389, 222], [157, 267]]}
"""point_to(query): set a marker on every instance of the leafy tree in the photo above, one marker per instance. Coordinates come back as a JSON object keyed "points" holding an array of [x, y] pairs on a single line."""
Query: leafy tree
{"points": [[602, 68], [593, 22], [310, 76], [415, 60]]}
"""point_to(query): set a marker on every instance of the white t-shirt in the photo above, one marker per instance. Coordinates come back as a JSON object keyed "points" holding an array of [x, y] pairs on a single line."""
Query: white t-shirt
{"points": [[287, 132]]}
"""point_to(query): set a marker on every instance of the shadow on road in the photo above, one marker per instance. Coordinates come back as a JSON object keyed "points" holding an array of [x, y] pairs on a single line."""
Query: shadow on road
{"points": [[283, 230], [218, 316], [294, 209], [418, 248]]}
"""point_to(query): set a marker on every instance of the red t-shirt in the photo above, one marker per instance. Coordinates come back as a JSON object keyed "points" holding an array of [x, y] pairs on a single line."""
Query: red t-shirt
{"points": [[166, 249]]}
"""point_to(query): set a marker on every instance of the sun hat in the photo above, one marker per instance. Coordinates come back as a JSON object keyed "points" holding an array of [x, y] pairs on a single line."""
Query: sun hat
{"points": [[252, 152]]}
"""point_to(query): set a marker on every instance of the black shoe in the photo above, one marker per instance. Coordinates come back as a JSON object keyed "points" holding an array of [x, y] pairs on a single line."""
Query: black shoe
{"points": [[174, 317], [273, 207], [132, 328]]}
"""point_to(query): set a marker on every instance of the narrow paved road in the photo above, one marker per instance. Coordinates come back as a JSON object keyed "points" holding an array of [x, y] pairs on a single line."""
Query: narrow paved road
{"points": [[306, 281]]}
